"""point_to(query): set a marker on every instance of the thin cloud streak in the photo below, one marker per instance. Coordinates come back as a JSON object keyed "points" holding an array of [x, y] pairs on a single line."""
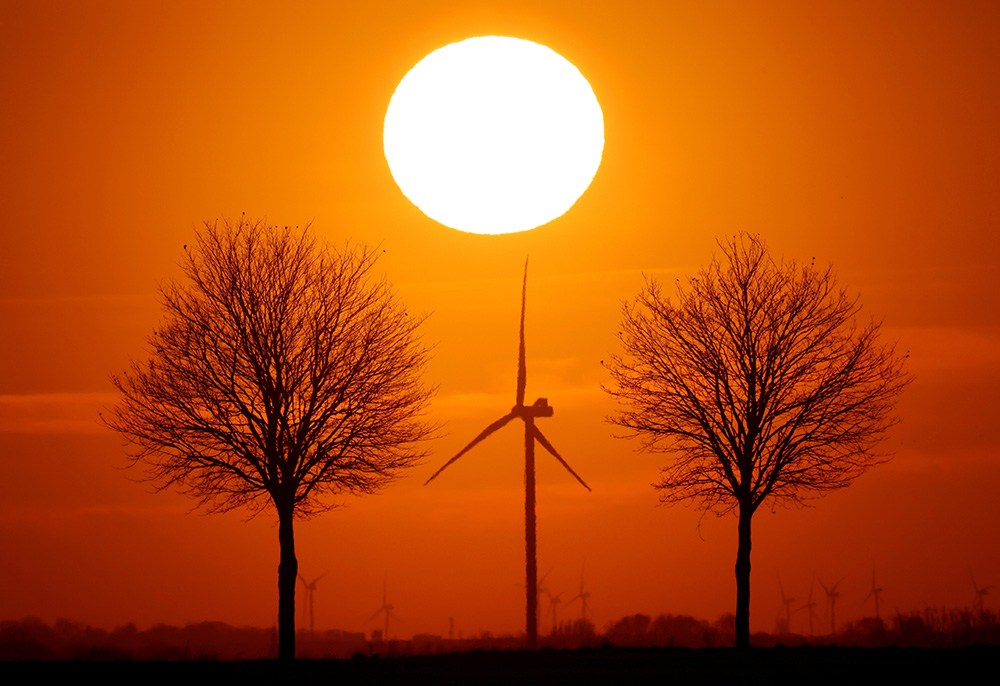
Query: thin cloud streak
{"points": [[79, 299], [461, 405], [48, 413]]}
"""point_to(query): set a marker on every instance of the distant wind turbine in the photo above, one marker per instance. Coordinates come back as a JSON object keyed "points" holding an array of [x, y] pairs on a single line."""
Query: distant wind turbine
{"points": [[540, 588], [310, 597], [582, 596], [787, 602], [810, 605], [387, 609], [528, 414], [981, 593], [876, 593], [831, 595], [554, 602]]}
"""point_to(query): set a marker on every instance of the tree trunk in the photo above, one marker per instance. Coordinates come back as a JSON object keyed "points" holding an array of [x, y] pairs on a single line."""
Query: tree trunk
{"points": [[743, 579], [288, 570], [531, 562]]}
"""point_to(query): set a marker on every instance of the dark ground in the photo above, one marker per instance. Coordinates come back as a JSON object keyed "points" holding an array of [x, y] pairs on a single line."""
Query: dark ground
{"points": [[800, 665]]}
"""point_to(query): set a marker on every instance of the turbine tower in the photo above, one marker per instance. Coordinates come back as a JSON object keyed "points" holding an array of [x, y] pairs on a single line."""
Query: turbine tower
{"points": [[310, 597], [528, 414]]}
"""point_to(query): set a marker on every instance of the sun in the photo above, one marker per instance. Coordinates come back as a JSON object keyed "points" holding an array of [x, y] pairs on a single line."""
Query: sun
{"points": [[493, 135]]}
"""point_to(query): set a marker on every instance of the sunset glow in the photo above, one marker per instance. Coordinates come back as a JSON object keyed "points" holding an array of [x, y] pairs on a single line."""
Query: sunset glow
{"points": [[493, 135], [852, 135]]}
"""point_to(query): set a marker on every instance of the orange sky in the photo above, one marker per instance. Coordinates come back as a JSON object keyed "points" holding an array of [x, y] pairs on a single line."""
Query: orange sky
{"points": [[862, 134]]}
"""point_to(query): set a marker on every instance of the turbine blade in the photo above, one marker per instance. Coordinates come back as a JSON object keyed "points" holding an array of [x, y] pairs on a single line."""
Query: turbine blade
{"points": [[548, 446], [522, 372], [486, 432], [377, 613]]}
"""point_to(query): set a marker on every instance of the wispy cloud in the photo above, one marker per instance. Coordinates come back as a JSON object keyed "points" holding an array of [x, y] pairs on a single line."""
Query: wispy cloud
{"points": [[474, 404], [34, 301], [949, 348], [46, 413]]}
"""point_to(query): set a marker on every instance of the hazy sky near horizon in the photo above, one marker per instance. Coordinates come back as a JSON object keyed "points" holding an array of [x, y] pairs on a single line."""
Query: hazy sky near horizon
{"points": [[862, 135]]}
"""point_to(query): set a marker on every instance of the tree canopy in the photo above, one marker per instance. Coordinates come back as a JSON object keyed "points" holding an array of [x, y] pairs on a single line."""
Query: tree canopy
{"points": [[759, 381]]}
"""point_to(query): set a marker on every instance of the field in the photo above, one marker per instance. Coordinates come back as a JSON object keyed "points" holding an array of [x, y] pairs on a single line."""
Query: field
{"points": [[780, 665]]}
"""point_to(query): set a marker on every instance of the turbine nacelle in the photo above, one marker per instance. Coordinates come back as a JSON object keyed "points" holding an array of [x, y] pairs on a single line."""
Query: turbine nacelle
{"points": [[540, 408]]}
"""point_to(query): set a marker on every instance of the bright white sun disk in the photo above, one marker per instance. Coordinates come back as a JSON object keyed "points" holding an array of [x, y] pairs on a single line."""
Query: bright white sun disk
{"points": [[493, 135]]}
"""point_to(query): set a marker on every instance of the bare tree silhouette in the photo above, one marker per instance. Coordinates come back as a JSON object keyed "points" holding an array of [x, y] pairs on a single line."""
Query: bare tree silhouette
{"points": [[761, 385], [283, 375]]}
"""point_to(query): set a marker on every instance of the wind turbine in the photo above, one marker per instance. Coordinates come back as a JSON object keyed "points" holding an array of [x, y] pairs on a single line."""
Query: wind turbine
{"points": [[831, 595], [387, 609], [554, 601], [876, 592], [528, 414], [540, 588], [582, 596], [788, 606], [981, 593], [310, 597], [811, 606]]}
